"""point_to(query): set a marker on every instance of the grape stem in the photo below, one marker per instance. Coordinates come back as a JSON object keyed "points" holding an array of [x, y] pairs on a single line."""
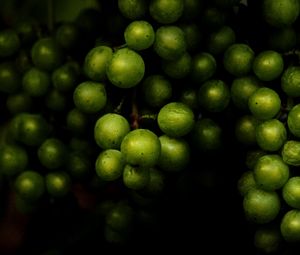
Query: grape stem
{"points": [[134, 112]]}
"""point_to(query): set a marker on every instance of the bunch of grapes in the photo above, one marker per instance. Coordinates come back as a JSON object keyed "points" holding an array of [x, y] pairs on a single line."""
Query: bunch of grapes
{"points": [[134, 103]]}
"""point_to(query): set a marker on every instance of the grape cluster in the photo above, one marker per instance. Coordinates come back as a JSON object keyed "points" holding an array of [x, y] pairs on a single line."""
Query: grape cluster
{"points": [[134, 101]]}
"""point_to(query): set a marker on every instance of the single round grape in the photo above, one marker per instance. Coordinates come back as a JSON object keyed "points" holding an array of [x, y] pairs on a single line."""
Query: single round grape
{"points": [[10, 79], [64, 78], [214, 95], [110, 129], [133, 9], [290, 152], [156, 90], [30, 185], [36, 82], [178, 68], [52, 153], [264, 103], [175, 154], [141, 147], [238, 59], [270, 172], [13, 159], [176, 119], [293, 120], [290, 81], [246, 182], [268, 239], [9, 42], [139, 35], [29, 128], [47, 54], [96, 61], [166, 11], [170, 42], [136, 177], [261, 206], [203, 67], [67, 35], [245, 129], [126, 68], [271, 135], [78, 165], [90, 97], [241, 89], [291, 192], [19, 102], [220, 39], [206, 135], [55, 100], [110, 164], [155, 184], [76, 121], [290, 226], [58, 184], [268, 65]]}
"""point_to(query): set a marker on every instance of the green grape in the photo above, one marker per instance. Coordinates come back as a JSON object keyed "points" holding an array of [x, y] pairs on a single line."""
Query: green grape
{"points": [[170, 42], [268, 65], [139, 35], [264, 103], [9, 42], [125, 69], [13, 159], [271, 172], [238, 59], [55, 100], [156, 90], [261, 206], [29, 128], [166, 11], [58, 184], [36, 82], [110, 129], [52, 153], [290, 152], [206, 135], [76, 121], [175, 119], [132, 9], [30, 185], [19, 102], [110, 164], [203, 67], [271, 135], [245, 129], [175, 154], [178, 68], [47, 54], [241, 89], [214, 95], [10, 79], [96, 61], [64, 78], [67, 35], [219, 40], [141, 147], [90, 97], [135, 177]]}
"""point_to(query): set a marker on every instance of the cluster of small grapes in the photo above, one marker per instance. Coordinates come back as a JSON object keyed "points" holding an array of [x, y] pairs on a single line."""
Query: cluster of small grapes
{"points": [[129, 95]]}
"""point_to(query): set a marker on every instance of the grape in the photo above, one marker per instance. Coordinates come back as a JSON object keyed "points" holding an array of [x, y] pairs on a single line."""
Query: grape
{"points": [[123, 62], [130, 123]]}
